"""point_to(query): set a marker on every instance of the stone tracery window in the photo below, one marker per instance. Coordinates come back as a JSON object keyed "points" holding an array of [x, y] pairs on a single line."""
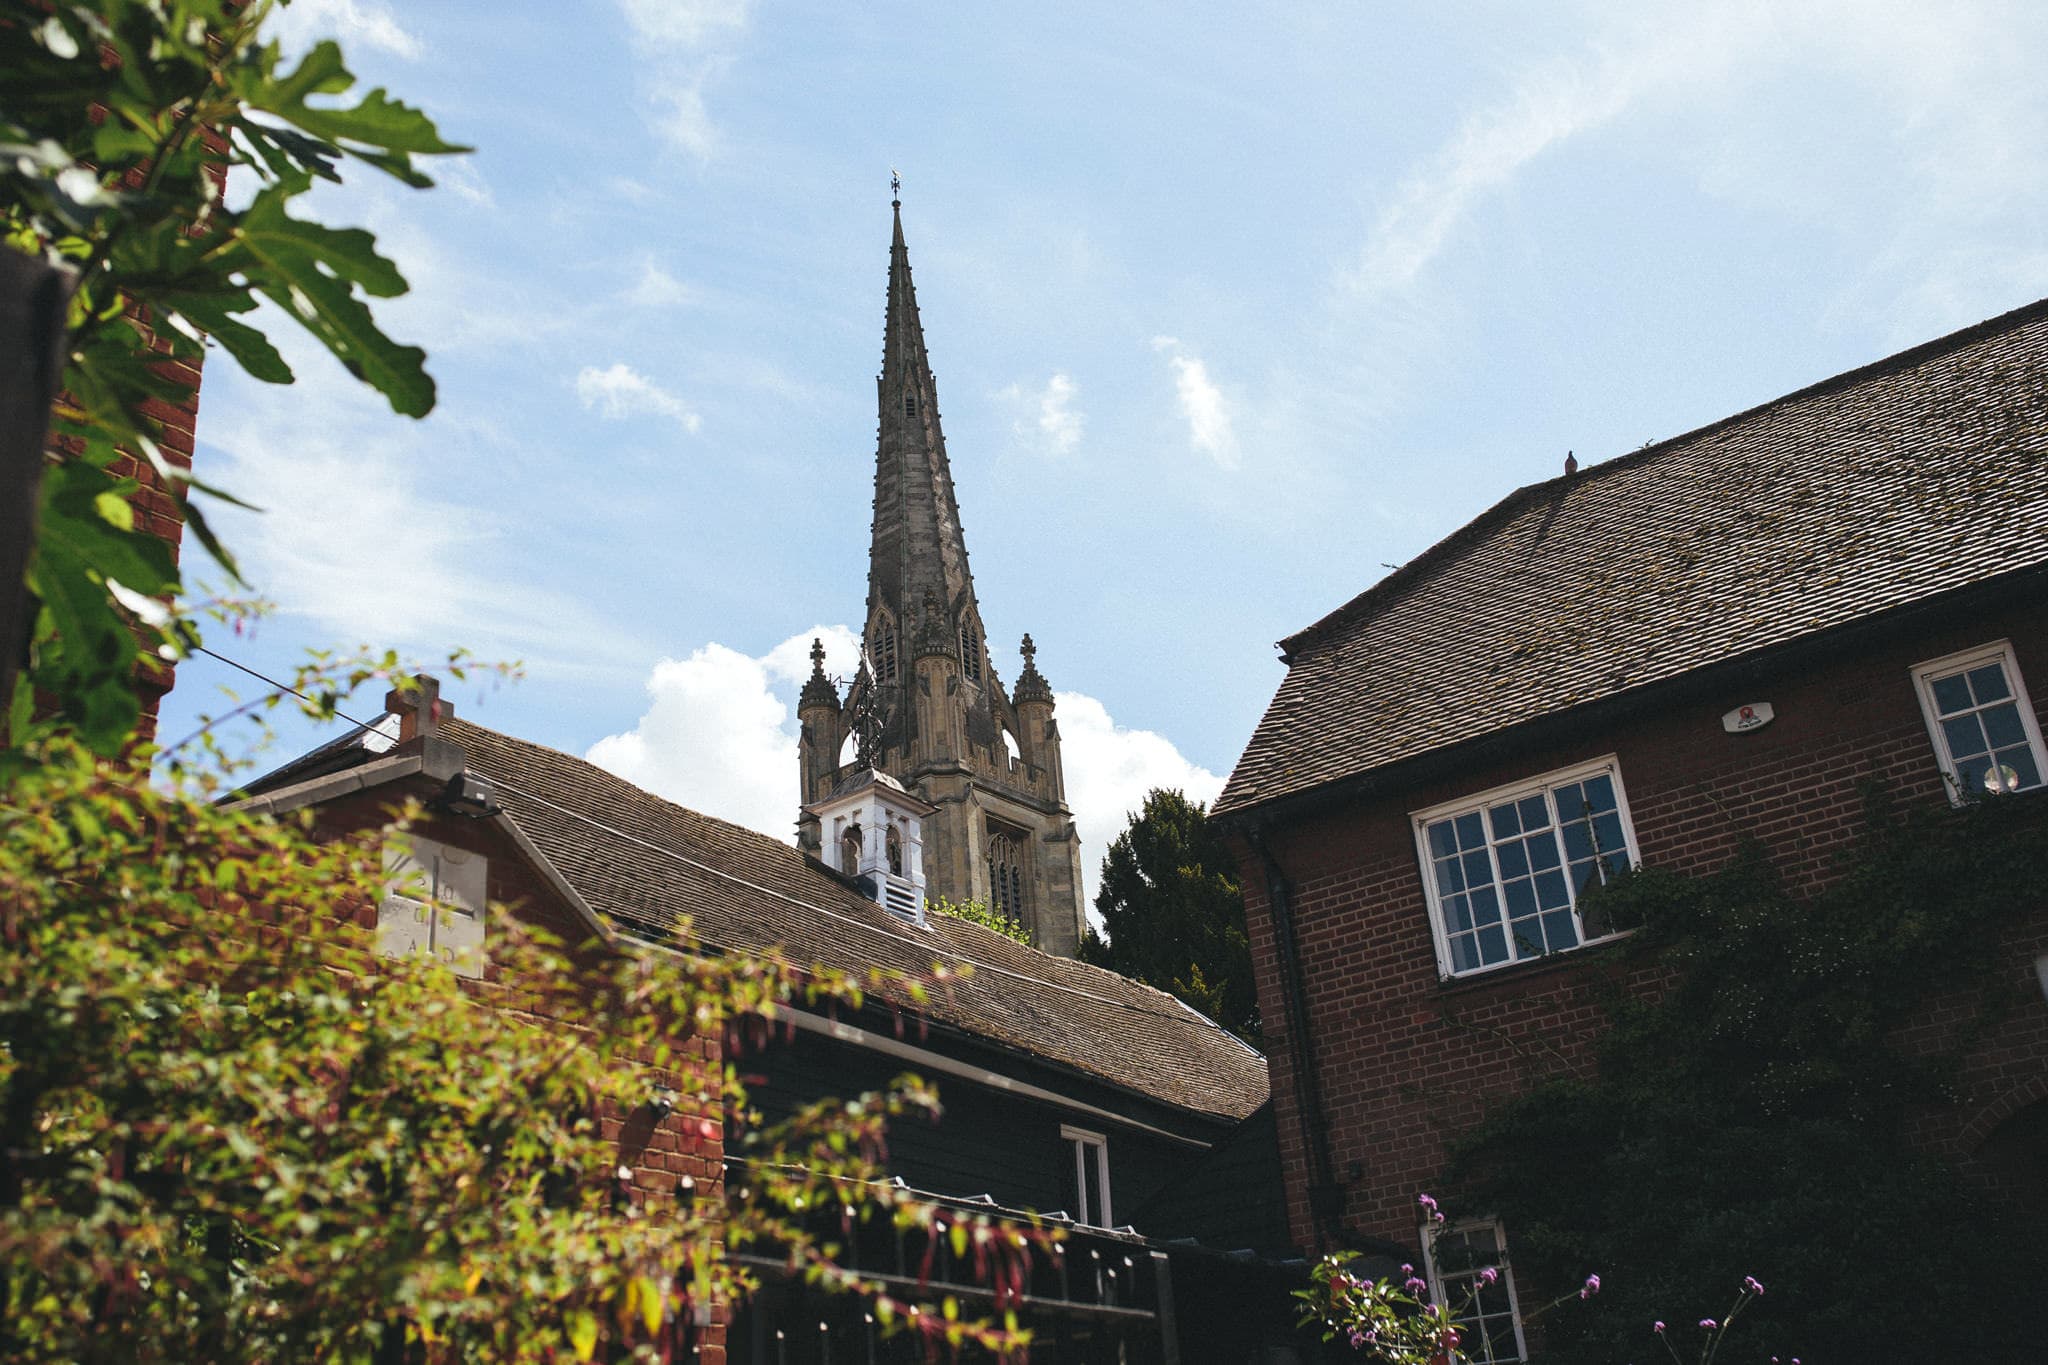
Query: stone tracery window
{"points": [[1006, 871], [910, 405], [849, 850], [885, 652], [970, 651]]}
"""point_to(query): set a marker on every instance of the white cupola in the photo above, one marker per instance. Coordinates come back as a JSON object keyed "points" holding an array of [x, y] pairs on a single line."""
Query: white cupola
{"points": [[872, 830]]}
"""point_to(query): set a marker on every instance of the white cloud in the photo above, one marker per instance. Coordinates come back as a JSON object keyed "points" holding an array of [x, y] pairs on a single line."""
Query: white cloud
{"points": [[1109, 771], [655, 287], [460, 175], [1047, 417], [719, 732], [365, 23], [682, 45], [619, 391], [1964, 128], [1201, 403], [684, 23], [720, 736], [356, 536]]}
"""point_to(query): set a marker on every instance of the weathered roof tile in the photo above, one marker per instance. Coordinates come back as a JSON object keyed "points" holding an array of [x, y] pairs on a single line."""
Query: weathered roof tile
{"points": [[1890, 484], [647, 864]]}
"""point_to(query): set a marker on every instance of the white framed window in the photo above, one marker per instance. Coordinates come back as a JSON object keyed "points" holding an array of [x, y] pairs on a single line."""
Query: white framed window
{"points": [[1488, 1314], [1505, 870], [1090, 1157], [1985, 735]]}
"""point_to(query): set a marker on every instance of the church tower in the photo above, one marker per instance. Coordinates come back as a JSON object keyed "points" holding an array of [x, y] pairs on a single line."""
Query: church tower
{"points": [[942, 725]]}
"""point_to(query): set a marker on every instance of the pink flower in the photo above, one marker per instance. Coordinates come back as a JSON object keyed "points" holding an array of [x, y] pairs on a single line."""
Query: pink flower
{"points": [[1591, 1287], [1707, 1324], [1658, 1327], [1749, 1282], [1489, 1275]]}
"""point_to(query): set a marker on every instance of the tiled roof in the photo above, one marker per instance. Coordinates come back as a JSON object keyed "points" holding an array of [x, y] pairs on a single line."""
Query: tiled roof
{"points": [[1881, 487], [645, 863]]}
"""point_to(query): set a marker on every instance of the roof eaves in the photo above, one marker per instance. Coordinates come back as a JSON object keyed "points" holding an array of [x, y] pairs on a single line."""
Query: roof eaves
{"points": [[2017, 586]]}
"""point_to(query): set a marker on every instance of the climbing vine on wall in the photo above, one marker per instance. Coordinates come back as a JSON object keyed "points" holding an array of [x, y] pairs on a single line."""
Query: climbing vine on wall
{"points": [[1752, 1115]]}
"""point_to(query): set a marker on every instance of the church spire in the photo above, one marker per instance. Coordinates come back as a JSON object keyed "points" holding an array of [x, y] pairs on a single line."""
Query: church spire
{"points": [[918, 549]]}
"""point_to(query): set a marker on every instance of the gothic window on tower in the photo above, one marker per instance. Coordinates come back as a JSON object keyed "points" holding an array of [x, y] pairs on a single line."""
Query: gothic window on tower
{"points": [[885, 653], [910, 405], [849, 850], [1006, 871], [970, 652]]}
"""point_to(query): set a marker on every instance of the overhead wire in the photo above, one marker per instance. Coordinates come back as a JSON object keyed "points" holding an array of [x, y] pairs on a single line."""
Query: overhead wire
{"points": [[1188, 1014]]}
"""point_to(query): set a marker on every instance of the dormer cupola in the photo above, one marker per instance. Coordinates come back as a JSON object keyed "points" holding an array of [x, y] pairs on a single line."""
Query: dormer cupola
{"points": [[872, 830]]}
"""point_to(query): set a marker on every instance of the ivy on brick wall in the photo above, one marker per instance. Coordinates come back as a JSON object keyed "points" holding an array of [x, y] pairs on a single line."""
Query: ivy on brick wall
{"points": [[1752, 1116]]}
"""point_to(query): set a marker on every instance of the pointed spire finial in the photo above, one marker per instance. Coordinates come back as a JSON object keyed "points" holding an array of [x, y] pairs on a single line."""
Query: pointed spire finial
{"points": [[1029, 651], [895, 189], [817, 657]]}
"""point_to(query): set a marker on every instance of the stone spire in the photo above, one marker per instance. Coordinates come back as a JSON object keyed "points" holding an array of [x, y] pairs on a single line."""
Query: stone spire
{"points": [[917, 548], [933, 725]]}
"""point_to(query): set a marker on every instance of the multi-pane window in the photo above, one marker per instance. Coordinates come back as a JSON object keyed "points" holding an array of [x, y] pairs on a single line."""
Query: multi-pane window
{"points": [[1982, 723], [1489, 1320], [1506, 870], [1088, 1178]]}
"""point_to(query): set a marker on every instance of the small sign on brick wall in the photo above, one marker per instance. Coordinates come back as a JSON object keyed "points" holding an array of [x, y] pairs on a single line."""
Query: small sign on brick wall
{"points": [[1749, 716]]}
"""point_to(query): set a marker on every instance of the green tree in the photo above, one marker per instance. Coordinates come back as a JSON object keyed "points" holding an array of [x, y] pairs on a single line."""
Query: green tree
{"points": [[230, 1132], [1174, 915], [1752, 1117], [117, 121]]}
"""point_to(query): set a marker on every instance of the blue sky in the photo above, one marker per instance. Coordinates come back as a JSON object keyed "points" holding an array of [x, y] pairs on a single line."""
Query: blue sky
{"points": [[1231, 307]]}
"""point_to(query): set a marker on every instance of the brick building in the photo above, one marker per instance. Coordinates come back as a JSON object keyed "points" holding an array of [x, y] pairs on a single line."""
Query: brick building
{"points": [[1720, 637], [1068, 1089]]}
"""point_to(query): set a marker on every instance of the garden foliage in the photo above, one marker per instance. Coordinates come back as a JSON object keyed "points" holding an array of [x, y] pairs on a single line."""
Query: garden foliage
{"points": [[1751, 1111], [230, 1132]]}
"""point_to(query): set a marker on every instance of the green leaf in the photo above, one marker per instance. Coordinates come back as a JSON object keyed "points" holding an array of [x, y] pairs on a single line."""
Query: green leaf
{"points": [[312, 271], [582, 1327], [251, 349]]}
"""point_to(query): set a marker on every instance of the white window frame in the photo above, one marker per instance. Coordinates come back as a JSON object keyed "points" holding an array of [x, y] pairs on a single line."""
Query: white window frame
{"points": [[1432, 1231], [1607, 764], [1082, 1140], [1963, 661]]}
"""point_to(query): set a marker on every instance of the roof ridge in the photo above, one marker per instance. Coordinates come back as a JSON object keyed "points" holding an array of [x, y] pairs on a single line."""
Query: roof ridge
{"points": [[1316, 631], [751, 833], [781, 848]]}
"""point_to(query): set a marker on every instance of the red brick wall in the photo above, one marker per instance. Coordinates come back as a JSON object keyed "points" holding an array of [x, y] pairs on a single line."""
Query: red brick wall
{"points": [[1406, 1060], [690, 1142]]}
